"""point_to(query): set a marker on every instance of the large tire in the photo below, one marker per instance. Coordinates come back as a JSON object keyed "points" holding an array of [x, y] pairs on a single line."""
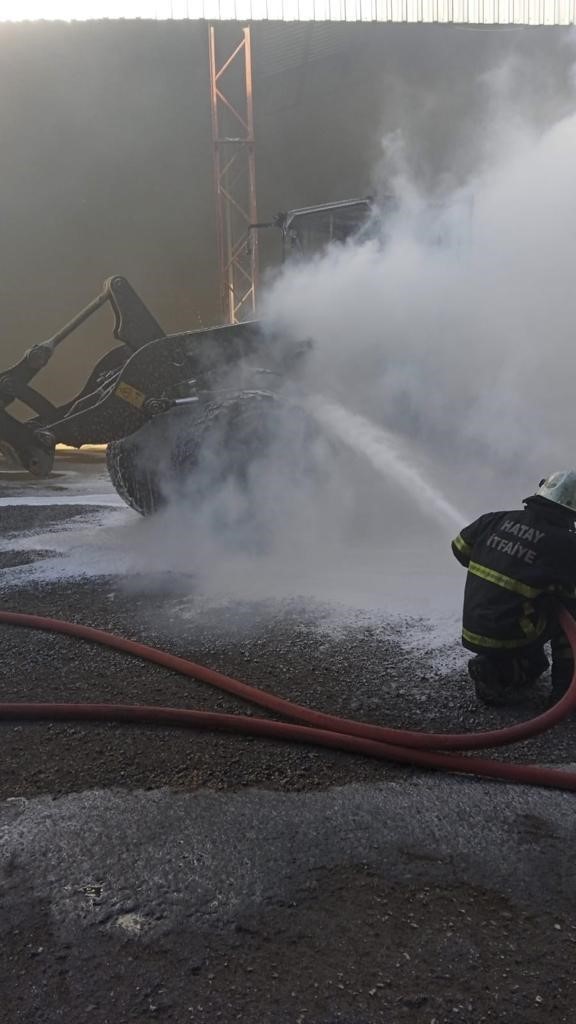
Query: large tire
{"points": [[132, 479], [161, 462]]}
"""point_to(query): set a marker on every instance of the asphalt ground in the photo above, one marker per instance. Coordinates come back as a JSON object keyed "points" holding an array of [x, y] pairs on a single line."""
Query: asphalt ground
{"points": [[157, 874]]}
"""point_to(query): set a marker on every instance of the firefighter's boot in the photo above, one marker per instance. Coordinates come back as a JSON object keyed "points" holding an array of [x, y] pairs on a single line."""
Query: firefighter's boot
{"points": [[504, 682]]}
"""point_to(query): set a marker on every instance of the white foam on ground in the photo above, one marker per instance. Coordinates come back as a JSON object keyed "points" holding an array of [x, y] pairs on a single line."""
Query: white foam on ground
{"points": [[45, 500], [415, 589], [73, 480], [89, 546], [436, 636]]}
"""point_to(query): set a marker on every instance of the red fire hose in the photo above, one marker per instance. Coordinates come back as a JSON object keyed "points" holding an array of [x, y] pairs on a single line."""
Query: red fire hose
{"points": [[398, 745]]}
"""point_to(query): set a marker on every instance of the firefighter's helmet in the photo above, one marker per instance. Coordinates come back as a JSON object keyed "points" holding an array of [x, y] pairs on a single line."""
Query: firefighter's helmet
{"points": [[561, 488]]}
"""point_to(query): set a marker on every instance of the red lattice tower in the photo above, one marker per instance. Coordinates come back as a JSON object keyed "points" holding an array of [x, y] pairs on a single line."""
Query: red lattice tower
{"points": [[232, 105]]}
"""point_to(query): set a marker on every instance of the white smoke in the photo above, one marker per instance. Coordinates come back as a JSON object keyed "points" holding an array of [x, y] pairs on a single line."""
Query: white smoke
{"points": [[443, 358], [456, 325]]}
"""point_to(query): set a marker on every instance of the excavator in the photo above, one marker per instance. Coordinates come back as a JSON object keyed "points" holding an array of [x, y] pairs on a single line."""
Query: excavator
{"points": [[158, 400]]}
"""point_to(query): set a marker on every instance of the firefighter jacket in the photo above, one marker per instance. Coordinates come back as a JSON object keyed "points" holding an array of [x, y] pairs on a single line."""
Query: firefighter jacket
{"points": [[520, 564]]}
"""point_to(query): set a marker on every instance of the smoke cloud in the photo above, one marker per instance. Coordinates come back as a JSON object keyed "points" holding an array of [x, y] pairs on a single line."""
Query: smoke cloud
{"points": [[440, 380], [454, 325]]}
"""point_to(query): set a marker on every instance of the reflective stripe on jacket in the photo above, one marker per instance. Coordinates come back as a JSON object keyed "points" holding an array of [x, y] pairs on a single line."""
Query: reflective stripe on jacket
{"points": [[518, 563]]}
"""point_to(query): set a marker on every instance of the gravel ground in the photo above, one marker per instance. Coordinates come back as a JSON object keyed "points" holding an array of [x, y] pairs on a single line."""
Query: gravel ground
{"points": [[422, 920]]}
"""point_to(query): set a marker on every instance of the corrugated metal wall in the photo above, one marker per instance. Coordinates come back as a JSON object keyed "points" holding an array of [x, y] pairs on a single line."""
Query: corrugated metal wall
{"points": [[488, 12], [474, 12]]}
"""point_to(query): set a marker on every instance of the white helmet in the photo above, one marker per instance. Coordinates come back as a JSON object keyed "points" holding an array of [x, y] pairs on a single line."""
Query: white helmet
{"points": [[561, 488]]}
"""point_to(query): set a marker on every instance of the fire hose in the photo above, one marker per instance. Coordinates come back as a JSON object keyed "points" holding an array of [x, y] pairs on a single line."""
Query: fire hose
{"points": [[418, 749]]}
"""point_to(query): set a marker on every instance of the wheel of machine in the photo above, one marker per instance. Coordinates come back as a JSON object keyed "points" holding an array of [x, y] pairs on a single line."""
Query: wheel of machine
{"points": [[187, 452], [224, 441], [134, 480]]}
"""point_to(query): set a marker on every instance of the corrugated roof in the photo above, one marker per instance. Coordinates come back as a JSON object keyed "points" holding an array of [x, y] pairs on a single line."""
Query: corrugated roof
{"points": [[473, 12]]}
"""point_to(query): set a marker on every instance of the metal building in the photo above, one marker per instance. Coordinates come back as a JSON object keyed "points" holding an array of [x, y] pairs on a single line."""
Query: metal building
{"points": [[231, 86], [458, 12]]}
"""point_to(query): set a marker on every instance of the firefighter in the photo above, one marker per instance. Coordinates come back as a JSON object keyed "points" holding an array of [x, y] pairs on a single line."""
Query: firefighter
{"points": [[521, 565]]}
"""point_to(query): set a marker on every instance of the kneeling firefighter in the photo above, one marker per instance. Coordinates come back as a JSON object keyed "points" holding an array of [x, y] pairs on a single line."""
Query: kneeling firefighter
{"points": [[521, 566]]}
